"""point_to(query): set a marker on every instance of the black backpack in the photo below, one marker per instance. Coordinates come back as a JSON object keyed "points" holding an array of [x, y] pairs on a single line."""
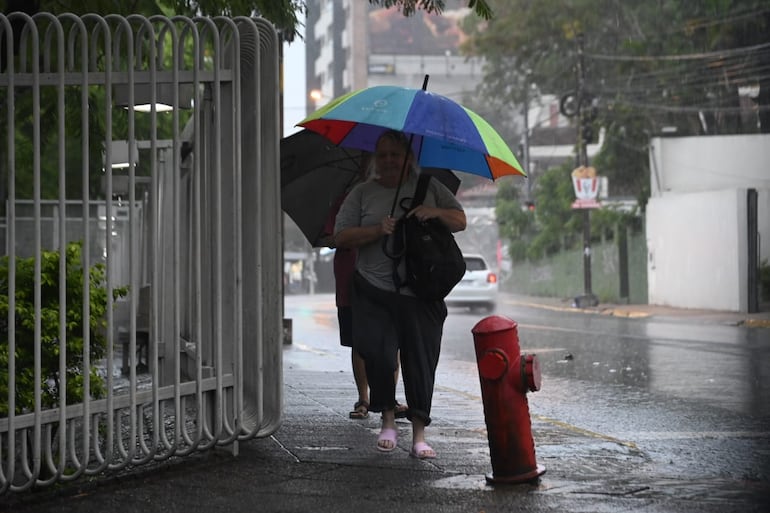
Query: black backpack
{"points": [[433, 261]]}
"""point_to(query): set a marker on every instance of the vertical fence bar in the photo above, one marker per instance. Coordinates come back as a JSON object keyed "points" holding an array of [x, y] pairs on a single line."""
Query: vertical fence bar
{"points": [[11, 250], [61, 168], [33, 32]]}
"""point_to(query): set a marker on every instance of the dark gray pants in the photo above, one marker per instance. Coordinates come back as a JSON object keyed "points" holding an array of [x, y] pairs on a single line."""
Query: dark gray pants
{"points": [[385, 323]]}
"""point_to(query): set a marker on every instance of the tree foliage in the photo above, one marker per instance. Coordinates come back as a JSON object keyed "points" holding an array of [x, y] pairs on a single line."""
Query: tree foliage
{"points": [[671, 62], [702, 67], [516, 223], [409, 7], [285, 15]]}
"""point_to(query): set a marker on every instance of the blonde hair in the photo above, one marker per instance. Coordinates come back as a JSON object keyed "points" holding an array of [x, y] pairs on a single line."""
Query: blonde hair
{"points": [[401, 139], [397, 137]]}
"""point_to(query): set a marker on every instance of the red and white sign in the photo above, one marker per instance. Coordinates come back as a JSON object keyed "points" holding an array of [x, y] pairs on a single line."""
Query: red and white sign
{"points": [[586, 203], [586, 185]]}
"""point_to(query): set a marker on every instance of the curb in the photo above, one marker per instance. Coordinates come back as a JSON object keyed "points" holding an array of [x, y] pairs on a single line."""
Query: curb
{"points": [[649, 311], [756, 323], [617, 312]]}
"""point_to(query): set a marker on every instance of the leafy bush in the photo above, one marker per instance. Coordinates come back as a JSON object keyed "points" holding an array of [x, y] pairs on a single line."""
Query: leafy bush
{"points": [[24, 325]]}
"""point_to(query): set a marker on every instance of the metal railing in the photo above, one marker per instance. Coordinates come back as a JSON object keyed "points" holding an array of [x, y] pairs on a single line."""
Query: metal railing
{"points": [[141, 312]]}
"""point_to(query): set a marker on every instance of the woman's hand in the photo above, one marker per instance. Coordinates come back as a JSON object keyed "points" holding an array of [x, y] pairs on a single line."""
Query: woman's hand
{"points": [[454, 219], [388, 225], [357, 236], [424, 212]]}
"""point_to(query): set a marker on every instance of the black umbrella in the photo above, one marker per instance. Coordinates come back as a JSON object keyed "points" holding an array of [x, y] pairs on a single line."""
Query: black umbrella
{"points": [[315, 173]]}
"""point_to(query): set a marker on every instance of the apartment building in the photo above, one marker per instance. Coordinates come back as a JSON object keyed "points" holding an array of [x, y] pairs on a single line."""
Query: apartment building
{"points": [[350, 44]]}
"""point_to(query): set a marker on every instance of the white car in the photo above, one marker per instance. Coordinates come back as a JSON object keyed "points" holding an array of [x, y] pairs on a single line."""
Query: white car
{"points": [[478, 288]]}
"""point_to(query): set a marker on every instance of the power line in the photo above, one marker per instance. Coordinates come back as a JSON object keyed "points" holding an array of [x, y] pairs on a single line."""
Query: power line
{"points": [[680, 81], [737, 61], [697, 83], [723, 20], [688, 109], [719, 54]]}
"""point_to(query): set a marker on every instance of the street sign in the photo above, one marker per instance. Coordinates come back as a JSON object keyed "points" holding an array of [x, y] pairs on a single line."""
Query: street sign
{"points": [[587, 203], [586, 186]]}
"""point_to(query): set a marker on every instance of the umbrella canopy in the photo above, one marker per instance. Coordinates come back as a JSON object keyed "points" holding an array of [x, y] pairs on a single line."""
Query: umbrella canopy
{"points": [[446, 134], [314, 175]]}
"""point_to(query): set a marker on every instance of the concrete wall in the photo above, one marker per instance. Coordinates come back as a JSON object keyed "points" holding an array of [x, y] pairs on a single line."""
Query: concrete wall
{"points": [[706, 163], [697, 231], [696, 247]]}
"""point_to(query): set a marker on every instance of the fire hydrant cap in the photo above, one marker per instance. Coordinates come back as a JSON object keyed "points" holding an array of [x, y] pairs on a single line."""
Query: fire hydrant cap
{"points": [[493, 364], [492, 324], [532, 372]]}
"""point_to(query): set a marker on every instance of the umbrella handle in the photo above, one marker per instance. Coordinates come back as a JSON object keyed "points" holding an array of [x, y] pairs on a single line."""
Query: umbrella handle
{"points": [[400, 179], [394, 255]]}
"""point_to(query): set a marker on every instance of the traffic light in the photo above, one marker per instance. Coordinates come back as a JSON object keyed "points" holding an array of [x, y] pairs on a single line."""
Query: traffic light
{"points": [[530, 205], [588, 114], [587, 130]]}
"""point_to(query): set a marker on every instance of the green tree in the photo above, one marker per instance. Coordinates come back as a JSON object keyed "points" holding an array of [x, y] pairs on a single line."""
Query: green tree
{"points": [[286, 15], [408, 7], [517, 224], [558, 224], [647, 65], [624, 159], [679, 63]]}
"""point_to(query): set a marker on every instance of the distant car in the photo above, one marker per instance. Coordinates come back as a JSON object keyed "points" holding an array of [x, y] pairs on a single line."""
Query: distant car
{"points": [[478, 288]]}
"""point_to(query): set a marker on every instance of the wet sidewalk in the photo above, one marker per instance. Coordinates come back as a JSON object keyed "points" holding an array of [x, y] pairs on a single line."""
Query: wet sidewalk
{"points": [[319, 460]]}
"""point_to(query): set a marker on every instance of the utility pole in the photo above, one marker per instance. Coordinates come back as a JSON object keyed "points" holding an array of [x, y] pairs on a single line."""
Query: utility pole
{"points": [[525, 137], [588, 298]]}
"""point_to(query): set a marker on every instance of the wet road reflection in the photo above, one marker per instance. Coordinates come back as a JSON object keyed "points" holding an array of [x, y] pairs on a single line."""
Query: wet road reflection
{"points": [[724, 366]]}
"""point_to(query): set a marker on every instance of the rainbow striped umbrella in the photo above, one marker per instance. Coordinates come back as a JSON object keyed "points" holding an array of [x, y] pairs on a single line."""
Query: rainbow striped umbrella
{"points": [[446, 134]]}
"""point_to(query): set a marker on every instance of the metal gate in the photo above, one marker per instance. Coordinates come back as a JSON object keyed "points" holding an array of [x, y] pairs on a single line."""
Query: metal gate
{"points": [[140, 312]]}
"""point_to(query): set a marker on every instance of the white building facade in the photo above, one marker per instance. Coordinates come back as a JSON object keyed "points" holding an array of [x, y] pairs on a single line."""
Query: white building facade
{"points": [[708, 220]]}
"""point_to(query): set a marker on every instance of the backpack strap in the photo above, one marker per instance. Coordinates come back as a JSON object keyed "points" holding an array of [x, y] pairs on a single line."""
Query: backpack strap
{"points": [[419, 197], [422, 189]]}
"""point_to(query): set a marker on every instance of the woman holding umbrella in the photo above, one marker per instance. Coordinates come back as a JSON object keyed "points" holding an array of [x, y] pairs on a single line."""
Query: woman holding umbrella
{"points": [[387, 320]]}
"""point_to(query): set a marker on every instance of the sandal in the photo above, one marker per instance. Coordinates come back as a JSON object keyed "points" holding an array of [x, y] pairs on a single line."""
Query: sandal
{"points": [[360, 410], [389, 435], [400, 410], [422, 451]]}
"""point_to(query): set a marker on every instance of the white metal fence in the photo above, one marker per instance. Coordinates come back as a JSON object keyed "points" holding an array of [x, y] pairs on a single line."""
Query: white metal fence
{"points": [[146, 151]]}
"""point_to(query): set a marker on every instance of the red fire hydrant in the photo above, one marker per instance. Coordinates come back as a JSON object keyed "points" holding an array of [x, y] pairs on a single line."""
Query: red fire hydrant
{"points": [[506, 375]]}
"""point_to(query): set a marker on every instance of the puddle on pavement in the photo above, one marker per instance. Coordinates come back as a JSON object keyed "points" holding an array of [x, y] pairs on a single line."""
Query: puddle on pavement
{"points": [[462, 482], [479, 482], [323, 448]]}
